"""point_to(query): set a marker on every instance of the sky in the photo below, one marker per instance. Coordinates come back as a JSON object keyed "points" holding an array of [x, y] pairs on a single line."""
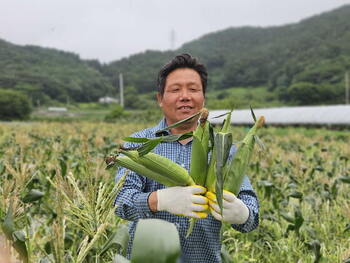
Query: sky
{"points": [[108, 30]]}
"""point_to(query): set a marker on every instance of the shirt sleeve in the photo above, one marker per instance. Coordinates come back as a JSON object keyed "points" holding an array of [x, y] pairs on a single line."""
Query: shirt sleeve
{"points": [[131, 202], [249, 198]]}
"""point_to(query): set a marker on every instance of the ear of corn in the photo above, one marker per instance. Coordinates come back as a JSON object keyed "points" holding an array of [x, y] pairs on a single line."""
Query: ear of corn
{"points": [[130, 164], [210, 183], [198, 168], [236, 171], [163, 166], [199, 156], [200, 148], [223, 141]]}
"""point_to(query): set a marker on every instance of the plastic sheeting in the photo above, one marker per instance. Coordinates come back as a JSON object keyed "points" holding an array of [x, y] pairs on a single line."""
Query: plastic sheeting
{"points": [[305, 115]]}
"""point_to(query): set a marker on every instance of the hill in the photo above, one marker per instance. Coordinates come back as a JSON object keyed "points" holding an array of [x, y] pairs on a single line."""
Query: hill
{"points": [[301, 63], [48, 74], [311, 55]]}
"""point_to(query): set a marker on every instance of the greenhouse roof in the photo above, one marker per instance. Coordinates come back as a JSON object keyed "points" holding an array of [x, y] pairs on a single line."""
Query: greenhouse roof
{"points": [[304, 115]]}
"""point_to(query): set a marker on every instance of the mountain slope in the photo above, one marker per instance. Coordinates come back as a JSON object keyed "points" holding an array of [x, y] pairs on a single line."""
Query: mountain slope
{"points": [[311, 55], [315, 50], [48, 74]]}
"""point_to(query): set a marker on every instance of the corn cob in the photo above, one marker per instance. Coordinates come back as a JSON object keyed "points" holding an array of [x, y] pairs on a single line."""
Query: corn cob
{"points": [[162, 165], [236, 170], [199, 156], [211, 173], [200, 148], [128, 163]]}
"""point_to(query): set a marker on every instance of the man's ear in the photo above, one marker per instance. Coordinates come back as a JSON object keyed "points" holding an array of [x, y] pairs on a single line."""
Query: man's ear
{"points": [[159, 99]]}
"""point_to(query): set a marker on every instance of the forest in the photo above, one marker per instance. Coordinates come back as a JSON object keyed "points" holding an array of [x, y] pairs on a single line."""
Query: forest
{"points": [[296, 64]]}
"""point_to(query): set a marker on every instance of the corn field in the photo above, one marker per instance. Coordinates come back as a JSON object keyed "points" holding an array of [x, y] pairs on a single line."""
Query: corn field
{"points": [[56, 202]]}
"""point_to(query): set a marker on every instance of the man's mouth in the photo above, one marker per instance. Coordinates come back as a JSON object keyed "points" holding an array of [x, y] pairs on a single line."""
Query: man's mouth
{"points": [[185, 108]]}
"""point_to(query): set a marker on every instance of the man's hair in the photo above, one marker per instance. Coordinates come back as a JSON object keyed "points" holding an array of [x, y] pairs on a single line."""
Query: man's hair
{"points": [[182, 61]]}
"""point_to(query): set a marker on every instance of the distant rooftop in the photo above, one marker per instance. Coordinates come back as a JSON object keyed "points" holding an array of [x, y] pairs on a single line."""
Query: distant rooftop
{"points": [[304, 115]]}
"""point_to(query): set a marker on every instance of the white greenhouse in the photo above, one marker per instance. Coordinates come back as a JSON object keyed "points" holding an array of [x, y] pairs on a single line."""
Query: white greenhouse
{"points": [[333, 115]]}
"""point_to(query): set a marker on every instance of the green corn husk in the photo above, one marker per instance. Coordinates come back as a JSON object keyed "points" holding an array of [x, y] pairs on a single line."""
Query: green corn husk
{"points": [[128, 163], [235, 173], [210, 182], [200, 148], [162, 165], [199, 156]]}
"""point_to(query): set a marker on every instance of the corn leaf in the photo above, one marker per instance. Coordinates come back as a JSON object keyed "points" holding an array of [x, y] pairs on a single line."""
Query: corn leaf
{"points": [[192, 222], [118, 239], [221, 115], [179, 123], [120, 259], [199, 162], [168, 138], [32, 196], [223, 142], [210, 178], [227, 123], [176, 137], [252, 112], [150, 143], [260, 143], [155, 241], [16, 237], [235, 173], [136, 139], [148, 146]]}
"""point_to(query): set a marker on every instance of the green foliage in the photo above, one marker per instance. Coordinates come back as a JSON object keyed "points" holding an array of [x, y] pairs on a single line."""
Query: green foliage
{"points": [[304, 93], [241, 97], [14, 105], [116, 114], [47, 74]]}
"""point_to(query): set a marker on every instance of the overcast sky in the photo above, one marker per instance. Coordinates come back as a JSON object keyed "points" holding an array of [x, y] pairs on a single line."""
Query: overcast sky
{"points": [[111, 29]]}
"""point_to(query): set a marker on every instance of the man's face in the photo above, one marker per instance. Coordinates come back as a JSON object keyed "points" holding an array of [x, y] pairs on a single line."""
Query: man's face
{"points": [[183, 95]]}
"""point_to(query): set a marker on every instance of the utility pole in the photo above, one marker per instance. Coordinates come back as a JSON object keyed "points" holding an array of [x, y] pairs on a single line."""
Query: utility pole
{"points": [[346, 87], [172, 39], [121, 89]]}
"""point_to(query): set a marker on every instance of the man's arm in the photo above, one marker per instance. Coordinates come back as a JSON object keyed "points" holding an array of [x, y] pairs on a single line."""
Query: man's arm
{"points": [[131, 201]]}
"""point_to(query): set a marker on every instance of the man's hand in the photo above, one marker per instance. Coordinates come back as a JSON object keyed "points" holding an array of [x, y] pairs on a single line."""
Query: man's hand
{"points": [[184, 201], [234, 211]]}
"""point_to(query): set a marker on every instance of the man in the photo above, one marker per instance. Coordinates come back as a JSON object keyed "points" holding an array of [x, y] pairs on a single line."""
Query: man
{"points": [[181, 92]]}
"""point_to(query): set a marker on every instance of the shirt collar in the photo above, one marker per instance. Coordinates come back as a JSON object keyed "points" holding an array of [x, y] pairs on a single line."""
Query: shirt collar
{"points": [[161, 125]]}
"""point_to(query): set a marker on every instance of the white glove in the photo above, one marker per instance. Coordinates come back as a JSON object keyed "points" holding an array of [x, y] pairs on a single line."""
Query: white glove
{"points": [[183, 200], [234, 211]]}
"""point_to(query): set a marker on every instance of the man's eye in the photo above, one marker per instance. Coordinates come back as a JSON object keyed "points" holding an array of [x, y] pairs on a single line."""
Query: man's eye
{"points": [[194, 89]]}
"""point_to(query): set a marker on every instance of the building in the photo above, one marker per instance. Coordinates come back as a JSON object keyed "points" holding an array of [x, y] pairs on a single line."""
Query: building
{"points": [[108, 100]]}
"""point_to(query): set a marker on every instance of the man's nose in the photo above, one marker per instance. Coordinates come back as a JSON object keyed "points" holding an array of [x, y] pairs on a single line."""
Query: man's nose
{"points": [[184, 95]]}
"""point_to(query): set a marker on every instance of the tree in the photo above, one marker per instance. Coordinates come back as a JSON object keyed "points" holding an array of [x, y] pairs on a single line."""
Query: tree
{"points": [[14, 105], [304, 93]]}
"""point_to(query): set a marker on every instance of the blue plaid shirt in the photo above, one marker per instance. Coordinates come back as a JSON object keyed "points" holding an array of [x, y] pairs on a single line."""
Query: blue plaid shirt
{"points": [[203, 245]]}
